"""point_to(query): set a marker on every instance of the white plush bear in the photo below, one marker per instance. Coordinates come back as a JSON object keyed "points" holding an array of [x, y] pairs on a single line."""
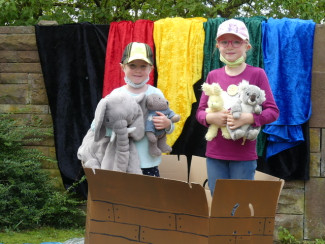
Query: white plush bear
{"points": [[250, 99], [215, 104]]}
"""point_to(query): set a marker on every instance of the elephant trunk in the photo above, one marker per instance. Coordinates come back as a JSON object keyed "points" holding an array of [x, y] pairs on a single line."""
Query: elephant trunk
{"points": [[122, 155]]}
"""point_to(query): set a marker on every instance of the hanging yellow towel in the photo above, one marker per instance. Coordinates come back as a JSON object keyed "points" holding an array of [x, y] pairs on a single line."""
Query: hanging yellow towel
{"points": [[179, 47]]}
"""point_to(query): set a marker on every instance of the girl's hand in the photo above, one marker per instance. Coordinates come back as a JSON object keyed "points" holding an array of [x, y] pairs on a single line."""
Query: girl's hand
{"points": [[217, 118], [161, 121], [245, 118]]}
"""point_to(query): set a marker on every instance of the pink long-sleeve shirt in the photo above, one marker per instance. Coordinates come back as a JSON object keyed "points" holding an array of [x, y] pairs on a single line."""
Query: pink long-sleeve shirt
{"points": [[224, 149]]}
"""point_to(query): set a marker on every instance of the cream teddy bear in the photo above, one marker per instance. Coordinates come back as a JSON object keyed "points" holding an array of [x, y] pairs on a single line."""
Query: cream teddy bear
{"points": [[215, 104]]}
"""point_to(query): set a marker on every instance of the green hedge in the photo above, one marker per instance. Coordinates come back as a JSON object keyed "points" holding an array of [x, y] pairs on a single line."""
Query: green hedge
{"points": [[28, 197]]}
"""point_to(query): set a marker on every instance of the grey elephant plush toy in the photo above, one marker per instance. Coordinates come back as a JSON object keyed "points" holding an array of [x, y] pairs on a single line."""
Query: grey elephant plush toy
{"points": [[121, 113], [157, 138], [250, 99]]}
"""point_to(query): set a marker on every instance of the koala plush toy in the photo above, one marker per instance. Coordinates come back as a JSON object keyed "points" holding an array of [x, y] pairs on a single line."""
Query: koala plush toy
{"points": [[250, 99], [157, 138]]}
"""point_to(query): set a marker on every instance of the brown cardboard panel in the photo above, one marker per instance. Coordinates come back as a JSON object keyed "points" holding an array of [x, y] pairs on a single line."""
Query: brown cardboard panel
{"points": [[262, 240], [143, 217], [258, 225], [262, 176], [88, 224], [244, 240], [128, 208], [128, 231], [147, 192], [148, 235], [107, 239], [244, 198], [241, 226], [193, 224], [223, 239], [173, 167], [102, 211], [230, 226], [232, 240], [198, 172], [269, 226]]}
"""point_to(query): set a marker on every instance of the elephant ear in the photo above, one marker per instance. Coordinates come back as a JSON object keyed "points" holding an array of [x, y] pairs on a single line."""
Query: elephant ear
{"points": [[100, 129]]}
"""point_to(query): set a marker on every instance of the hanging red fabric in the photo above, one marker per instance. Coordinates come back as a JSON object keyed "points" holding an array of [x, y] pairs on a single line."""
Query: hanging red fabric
{"points": [[120, 34]]}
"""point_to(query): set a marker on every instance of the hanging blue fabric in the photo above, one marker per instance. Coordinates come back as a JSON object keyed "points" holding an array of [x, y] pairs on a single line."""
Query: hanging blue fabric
{"points": [[288, 58]]}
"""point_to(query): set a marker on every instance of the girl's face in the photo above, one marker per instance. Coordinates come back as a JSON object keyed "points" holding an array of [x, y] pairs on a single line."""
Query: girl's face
{"points": [[137, 70], [232, 47]]}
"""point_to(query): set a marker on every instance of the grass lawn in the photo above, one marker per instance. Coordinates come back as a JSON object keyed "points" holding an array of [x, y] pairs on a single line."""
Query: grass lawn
{"points": [[41, 235]]}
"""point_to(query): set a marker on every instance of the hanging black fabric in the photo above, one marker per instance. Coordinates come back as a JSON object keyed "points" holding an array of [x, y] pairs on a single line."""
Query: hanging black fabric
{"points": [[72, 57], [290, 164]]}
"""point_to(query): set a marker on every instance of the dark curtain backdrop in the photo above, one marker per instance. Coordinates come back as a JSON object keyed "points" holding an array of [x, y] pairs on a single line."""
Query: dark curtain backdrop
{"points": [[290, 164], [72, 58]]}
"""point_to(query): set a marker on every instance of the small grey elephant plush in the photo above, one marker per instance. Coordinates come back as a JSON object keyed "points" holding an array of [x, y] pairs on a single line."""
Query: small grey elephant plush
{"points": [[122, 114], [250, 99], [157, 138]]}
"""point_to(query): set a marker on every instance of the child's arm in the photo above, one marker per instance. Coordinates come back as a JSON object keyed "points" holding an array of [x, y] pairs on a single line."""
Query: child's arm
{"points": [[217, 118], [162, 122], [270, 111], [244, 119]]}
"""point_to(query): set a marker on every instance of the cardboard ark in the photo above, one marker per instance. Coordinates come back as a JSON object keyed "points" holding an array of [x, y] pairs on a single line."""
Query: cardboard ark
{"points": [[132, 209]]}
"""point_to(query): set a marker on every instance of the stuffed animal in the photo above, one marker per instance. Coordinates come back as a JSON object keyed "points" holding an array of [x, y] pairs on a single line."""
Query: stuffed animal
{"points": [[250, 99], [215, 104], [121, 113], [157, 138]]}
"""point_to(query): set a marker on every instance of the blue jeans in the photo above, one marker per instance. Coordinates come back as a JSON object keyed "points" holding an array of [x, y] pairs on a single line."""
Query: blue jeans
{"points": [[225, 169]]}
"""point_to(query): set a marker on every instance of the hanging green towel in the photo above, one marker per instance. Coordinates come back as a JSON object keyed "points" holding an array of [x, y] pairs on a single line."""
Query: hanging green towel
{"points": [[254, 56]]}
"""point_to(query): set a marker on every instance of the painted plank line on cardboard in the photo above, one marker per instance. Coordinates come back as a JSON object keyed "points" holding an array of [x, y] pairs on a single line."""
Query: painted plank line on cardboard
{"points": [[101, 211], [240, 240], [258, 226], [143, 217], [231, 226], [192, 224], [269, 226], [95, 238], [171, 237], [222, 240], [135, 190], [231, 240], [115, 229], [241, 226]]}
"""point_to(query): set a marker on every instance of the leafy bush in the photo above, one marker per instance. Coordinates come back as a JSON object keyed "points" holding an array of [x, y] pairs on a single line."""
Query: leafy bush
{"points": [[28, 197], [286, 237]]}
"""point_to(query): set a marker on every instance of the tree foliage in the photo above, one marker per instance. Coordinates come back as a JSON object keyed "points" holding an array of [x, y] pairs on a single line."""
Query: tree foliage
{"points": [[23, 12]]}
